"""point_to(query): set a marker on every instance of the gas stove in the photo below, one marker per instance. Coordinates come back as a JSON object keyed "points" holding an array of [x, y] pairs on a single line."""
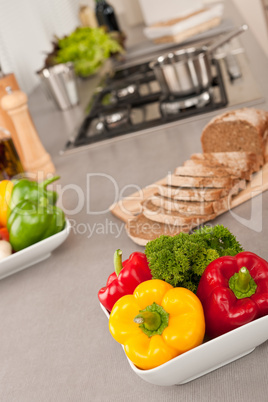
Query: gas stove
{"points": [[130, 100]]}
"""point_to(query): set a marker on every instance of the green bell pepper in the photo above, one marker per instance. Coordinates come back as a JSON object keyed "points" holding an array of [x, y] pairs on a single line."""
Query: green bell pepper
{"points": [[30, 222], [25, 189]]}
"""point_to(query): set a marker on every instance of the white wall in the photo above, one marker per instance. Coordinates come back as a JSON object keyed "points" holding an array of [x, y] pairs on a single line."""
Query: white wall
{"points": [[253, 14], [26, 31], [27, 28], [251, 11]]}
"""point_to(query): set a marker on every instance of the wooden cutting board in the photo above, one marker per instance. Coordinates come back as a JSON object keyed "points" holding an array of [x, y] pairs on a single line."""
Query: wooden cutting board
{"points": [[130, 206], [188, 33]]}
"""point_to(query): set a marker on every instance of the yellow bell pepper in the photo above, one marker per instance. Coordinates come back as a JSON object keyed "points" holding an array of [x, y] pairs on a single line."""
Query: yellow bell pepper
{"points": [[6, 187], [157, 323]]}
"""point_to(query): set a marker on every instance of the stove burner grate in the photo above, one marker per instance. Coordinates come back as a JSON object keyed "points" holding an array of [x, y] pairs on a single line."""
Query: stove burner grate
{"points": [[133, 92], [174, 106]]}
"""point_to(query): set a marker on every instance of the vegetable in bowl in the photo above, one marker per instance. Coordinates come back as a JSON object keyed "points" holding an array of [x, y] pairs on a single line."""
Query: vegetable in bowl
{"points": [[29, 211], [87, 48], [157, 323], [181, 260], [233, 292]]}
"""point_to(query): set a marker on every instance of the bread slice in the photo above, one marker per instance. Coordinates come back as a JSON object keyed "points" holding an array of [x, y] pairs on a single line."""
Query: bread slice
{"points": [[184, 207], [238, 130], [191, 207], [195, 194], [142, 230], [235, 162], [211, 182], [166, 216], [234, 171], [199, 170]]}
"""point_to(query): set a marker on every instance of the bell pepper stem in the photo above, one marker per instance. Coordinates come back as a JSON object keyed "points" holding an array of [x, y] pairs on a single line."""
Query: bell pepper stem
{"points": [[45, 183], [150, 320], [118, 266], [243, 279], [242, 284]]}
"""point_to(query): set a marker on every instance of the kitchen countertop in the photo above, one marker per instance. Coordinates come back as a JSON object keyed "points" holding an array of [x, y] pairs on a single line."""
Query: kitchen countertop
{"points": [[55, 343]]}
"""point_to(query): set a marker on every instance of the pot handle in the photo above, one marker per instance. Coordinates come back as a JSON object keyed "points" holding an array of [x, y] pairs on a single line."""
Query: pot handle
{"points": [[226, 38]]}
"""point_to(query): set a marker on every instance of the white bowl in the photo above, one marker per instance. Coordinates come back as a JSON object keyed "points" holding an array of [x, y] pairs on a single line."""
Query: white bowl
{"points": [[207, 357], [33, 254]]}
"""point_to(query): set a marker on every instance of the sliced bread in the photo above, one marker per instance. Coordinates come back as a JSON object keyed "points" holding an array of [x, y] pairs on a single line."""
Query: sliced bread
{"points": [[195, 164], [236, 161], [184, 207], [194, 194], [199, 170], [211, 182], [191, 207], [166, 216], [142, 230]]}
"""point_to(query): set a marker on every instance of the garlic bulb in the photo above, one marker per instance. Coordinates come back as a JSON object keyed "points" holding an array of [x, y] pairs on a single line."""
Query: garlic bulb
{"points": [[5, 249]]}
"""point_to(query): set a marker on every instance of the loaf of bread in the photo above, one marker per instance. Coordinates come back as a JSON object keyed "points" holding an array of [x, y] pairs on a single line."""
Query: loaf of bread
{"points": [[196, 193], [235, 145], [238, 130]]}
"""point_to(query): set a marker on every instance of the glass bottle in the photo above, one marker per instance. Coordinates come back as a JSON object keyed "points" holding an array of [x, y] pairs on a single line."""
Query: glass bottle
{"points": [[106, 16], [10, 164]]}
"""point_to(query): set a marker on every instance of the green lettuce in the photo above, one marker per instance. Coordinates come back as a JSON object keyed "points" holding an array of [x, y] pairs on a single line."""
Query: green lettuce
{"points": [[87, 48]]}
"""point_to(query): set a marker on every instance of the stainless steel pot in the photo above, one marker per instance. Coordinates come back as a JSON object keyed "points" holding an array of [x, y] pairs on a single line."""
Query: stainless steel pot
{"points": [[59, 83], [188, 71]]}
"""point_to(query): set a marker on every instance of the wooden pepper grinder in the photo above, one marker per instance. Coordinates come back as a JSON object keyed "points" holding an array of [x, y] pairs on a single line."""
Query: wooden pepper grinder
{"points": [[34, 157], [8, 80]]}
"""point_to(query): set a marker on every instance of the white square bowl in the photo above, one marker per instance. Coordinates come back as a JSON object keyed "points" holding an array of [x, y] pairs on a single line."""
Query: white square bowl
{"points": [[33, 254], [207, 357]]}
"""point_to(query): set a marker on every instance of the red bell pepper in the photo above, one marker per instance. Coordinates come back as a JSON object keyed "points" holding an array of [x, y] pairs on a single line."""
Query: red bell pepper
{"points": [[233, 292], [4, 235], [127, 276]]}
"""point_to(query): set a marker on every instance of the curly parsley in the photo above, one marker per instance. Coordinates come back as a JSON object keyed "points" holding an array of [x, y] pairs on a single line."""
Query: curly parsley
{"points": [[181, 260]]}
